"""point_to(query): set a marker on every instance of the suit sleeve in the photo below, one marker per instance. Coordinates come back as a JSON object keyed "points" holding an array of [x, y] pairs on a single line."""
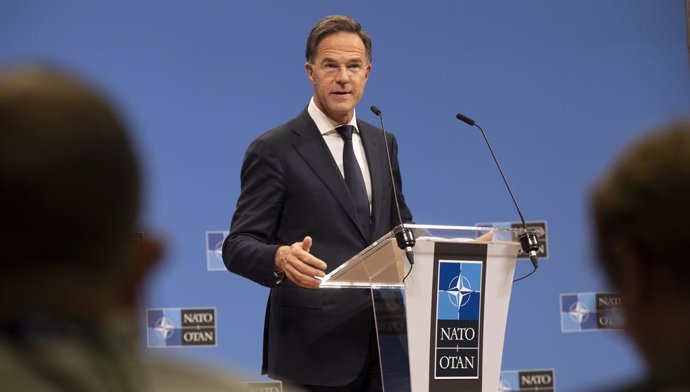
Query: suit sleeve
{"points": [[405, 212], [250, 250]]}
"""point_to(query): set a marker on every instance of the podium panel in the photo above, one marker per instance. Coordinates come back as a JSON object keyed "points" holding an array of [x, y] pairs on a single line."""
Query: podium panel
{"points": [[441, 322]]}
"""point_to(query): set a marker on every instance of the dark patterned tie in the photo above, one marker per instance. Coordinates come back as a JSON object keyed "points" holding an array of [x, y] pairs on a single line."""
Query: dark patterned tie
{"points": [[354, 178]]}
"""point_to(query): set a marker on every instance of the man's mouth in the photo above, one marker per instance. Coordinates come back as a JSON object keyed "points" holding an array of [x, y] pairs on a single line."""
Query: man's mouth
{"points": [[341, 93]]}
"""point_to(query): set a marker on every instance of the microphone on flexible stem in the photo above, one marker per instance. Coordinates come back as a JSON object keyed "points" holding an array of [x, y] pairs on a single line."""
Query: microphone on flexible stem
{"points": [[528, 240], [403, 235]]}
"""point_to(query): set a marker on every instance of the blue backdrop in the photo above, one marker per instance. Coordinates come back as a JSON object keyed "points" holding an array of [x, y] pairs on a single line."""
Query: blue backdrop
{"points": [[560, 86]]}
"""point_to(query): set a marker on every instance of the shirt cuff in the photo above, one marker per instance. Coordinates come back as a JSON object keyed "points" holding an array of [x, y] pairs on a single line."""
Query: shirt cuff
{"points": [[279, 277]]}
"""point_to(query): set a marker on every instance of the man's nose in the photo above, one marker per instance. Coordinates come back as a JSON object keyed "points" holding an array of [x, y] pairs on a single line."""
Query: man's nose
{"points": [[343, 75]]}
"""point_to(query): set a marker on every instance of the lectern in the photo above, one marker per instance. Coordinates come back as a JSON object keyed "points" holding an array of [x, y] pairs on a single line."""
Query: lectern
{"points": [[440, 322]]}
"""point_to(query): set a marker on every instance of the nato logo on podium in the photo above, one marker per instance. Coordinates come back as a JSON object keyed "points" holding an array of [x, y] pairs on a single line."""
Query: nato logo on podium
{"points": [[458, 319]]}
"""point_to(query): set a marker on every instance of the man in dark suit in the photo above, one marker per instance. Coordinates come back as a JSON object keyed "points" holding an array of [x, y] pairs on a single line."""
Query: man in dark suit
{"points": [[316, 191]]}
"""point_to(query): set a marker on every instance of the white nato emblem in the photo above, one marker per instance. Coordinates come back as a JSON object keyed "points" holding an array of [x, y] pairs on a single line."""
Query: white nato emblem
{"points": [[578, 312], [459, 291], [164, 327]]}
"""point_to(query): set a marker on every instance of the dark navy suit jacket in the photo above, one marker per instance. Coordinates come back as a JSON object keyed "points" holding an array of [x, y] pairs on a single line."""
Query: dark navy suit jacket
{"points": [[291, 187]]}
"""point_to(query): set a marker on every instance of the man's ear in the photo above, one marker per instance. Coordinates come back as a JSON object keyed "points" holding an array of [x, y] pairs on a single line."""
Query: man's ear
{"points": [[310, 72], [367, 72]]}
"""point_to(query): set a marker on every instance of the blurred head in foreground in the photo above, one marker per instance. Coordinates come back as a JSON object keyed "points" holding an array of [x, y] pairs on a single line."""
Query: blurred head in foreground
{"points": [[70, 195], [69, 192], [71, 264], [641, 214]]}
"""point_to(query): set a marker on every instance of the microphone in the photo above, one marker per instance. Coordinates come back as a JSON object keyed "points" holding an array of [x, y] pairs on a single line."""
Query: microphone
{"points": [[465, 119], [528, 240], [403, 235]]}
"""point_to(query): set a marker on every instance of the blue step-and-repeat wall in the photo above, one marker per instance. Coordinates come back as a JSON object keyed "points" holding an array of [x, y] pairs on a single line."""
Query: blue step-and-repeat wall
{"points": [[560, 86]]}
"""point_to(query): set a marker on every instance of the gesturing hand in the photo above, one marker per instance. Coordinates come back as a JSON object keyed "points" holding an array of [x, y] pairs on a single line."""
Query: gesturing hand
{"points": [[299, 265]]}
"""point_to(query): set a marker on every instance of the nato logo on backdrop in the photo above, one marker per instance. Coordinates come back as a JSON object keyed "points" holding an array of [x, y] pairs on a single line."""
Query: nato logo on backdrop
{"points": [[458, 319], [214, 250], [583, 312], [181, 327], [539, 228], [527, 380]]}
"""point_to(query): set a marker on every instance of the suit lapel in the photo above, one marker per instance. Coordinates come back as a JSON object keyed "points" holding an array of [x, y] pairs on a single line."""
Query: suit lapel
{"points": [[310, 145]]}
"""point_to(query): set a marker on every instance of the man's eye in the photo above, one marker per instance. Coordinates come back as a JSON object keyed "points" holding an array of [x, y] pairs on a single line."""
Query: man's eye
{"points": [[330, 66], [354, 67]]}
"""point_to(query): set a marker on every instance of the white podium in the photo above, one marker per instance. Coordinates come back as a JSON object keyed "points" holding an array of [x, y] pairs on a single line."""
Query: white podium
{"points": [[442, 328]]}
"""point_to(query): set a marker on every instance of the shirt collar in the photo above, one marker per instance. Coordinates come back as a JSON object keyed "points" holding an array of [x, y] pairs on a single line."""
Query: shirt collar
{"points": [[325, 124]]}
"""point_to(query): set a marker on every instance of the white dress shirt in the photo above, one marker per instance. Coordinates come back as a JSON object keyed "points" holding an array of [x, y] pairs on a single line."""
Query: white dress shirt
{"points": [[335, 142]]}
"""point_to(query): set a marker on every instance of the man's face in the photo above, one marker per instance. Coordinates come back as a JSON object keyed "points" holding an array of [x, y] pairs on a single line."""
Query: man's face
{"points": [[339, 74]]}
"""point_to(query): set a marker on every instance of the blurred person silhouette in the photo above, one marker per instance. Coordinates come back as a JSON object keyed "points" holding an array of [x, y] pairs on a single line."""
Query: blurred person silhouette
{"points": [[640, 211], [71, 266]]}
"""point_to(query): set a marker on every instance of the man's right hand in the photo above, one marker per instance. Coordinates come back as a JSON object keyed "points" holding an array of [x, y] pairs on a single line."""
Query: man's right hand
{"points": [[299, 265]]}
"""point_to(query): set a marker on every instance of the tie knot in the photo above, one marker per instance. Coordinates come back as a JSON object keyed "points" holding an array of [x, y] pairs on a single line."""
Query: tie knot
{"points": [[345, 131]]}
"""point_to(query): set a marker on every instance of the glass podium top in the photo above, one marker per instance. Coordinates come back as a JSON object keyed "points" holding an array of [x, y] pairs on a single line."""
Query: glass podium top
{"points": [[488, 233], [380, 261]]}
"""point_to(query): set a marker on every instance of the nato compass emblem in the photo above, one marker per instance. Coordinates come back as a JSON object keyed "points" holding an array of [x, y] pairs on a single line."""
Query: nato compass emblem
{"points": [[163, 328], [578, 312], [214, 250], [459, 292]]}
